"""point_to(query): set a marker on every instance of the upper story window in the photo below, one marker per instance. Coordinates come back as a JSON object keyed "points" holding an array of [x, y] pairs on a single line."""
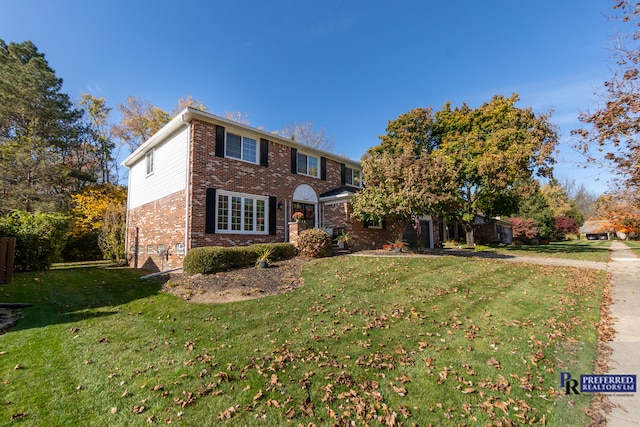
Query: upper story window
{"points": [[149, 162], [241, 148], [353, 177], [308, 165]]}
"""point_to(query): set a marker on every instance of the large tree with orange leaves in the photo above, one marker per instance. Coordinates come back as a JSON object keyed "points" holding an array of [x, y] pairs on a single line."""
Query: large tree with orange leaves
{"points": [[620, 212]]}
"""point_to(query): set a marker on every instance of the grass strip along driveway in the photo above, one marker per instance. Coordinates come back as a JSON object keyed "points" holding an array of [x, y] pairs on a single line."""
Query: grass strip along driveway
{"points": [[373, 341], [580, 250]]}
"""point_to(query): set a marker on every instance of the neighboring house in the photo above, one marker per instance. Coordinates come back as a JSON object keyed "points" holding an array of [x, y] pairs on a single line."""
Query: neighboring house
{"points": [[493, 230], [595, 229], [485, 230], [203, 180]]}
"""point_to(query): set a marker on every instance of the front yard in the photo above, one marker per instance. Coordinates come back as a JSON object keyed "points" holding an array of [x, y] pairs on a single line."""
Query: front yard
{"points": [[374, 341]]}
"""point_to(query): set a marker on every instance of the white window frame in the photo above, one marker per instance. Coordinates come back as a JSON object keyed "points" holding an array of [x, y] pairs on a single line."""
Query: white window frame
{"points": [[308, 156], [149, 162], [179, 248], [349, 175], [375, 225], [229, 211], [242, 148]]}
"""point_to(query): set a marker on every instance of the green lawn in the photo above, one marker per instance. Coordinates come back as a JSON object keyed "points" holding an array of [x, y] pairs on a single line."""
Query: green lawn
{"points": [[377, 341], [635, 245], [584, 250]]}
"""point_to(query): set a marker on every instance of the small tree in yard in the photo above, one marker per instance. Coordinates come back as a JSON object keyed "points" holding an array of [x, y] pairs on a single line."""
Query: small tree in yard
{"points": [[524, 229], [401, 186], [565, 226], [101, 210], [113, 233]]}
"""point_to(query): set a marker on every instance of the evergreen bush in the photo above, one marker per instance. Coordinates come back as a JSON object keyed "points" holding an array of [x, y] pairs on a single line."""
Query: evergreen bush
{"points": [[212, 259]]}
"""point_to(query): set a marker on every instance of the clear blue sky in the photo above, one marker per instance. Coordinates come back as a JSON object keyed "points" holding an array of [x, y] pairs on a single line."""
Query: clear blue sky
{"points": [[346, 66]]}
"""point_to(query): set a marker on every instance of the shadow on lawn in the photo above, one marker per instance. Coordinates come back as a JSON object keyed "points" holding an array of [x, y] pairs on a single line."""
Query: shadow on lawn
{"points": [[75, 294], [509, 252], [560, 247]]}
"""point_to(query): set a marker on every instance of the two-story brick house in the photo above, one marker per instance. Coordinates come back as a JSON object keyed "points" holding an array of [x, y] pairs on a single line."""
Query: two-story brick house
{"points": [[203, 180]]}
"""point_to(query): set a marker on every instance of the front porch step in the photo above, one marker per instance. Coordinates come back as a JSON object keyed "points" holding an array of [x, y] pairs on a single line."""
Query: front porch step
{"points": [[336, 251]]}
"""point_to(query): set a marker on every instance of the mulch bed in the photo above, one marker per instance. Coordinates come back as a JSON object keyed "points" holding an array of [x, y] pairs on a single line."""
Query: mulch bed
{"points": [[239, 284]]}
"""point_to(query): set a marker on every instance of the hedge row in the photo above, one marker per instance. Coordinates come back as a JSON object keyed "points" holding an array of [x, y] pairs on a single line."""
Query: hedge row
{"points": [[40, 238], [212, 259]]}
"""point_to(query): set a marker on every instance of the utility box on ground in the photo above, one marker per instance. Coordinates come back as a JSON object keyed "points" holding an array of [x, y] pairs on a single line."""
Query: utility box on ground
{"points": [[7, 254]]}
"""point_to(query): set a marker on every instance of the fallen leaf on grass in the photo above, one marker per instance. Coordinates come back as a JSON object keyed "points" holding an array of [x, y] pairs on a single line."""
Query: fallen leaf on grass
{"points": [[502, 405], [138, 409], [227, 413], [400, 390], [493, 362]]}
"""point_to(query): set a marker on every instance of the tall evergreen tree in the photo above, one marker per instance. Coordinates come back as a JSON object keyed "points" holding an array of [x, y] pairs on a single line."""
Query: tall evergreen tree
{"points": [[40, 131]]}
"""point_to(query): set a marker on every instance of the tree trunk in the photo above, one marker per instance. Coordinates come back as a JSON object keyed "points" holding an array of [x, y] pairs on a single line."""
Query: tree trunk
{"points": [[470, 240]]}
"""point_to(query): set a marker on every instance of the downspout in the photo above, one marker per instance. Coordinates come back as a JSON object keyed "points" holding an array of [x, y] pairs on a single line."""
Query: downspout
{"points": [[127, 221], [187, 187]]}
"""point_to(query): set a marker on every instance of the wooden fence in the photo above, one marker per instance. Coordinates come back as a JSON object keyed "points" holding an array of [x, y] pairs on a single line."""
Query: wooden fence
{"points": [[7, 253]]}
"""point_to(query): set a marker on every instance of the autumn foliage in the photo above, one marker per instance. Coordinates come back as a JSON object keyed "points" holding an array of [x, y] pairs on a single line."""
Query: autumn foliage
{"points": [[90, 205], [100, 211], [565, 226], [524, 229], [619, 211]]}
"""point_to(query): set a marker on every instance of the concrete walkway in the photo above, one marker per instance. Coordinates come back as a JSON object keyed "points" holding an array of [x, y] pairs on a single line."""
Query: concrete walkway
{"points": [[624, 267]]}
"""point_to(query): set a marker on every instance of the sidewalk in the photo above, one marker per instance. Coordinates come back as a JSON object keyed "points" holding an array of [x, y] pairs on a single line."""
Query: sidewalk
{"points": [[624, 267]]}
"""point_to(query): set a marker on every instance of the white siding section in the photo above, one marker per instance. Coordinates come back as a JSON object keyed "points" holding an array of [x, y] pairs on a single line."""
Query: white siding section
{"points": [[170, 172]]}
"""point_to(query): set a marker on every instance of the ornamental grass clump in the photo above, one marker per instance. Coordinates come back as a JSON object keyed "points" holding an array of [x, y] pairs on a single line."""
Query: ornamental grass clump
{"points": [[315, 243]]}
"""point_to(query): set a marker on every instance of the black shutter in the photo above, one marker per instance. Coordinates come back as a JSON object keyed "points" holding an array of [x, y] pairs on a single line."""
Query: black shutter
{"points": [[272, 215], [294, 160], [343, 174], [219, 141], [323, 168], [210, 212], [264, 152]]}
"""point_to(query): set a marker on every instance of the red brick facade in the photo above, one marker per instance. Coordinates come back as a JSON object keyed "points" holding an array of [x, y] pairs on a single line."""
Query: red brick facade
{"points": [[165, 221], [161, 222]]}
